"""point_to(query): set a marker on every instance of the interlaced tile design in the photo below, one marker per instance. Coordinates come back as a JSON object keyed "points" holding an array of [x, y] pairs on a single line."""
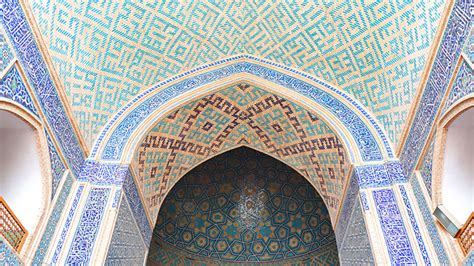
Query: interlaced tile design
{"points": [[106, 52], [244, 206]]}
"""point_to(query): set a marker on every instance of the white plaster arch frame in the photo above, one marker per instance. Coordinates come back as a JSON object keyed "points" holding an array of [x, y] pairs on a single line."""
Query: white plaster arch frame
{"points": [[43, 154], [119, 138], [459, 107]]}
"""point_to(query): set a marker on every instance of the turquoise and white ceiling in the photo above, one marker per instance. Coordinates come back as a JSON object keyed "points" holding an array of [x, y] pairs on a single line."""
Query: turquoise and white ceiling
{"points": [[108, 51]]}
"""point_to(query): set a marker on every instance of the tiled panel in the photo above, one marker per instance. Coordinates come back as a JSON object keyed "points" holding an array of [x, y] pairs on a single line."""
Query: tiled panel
{"points": [[106, 53], [57, 166], [380, 175], [426, 169], [469, 47], [7, 255], [53, 221], [127, 246], [455, 35], [6, 53], [88, 226], [355, 248], [428, 221], [67, 225], [103, 173], [131, 192], [414, 225], [347, 208], [394, 231], [462, 86], [241, 115], [13, 87], [244, 206]]}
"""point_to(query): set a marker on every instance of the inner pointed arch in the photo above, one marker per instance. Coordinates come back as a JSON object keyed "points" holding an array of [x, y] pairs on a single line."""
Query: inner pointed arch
{"points": [[241, 115]]}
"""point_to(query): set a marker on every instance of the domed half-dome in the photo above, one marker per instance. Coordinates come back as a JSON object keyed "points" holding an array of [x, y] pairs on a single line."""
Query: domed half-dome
{"points": [[243, 206]]}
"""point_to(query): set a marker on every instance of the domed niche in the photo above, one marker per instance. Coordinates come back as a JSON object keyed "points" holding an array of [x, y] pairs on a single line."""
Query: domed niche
{"points": [[243, 207]]}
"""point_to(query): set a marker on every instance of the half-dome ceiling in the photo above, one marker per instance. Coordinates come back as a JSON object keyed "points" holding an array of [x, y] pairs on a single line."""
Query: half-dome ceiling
{"points": [[243, 206], [108, 51], [231, 117]]}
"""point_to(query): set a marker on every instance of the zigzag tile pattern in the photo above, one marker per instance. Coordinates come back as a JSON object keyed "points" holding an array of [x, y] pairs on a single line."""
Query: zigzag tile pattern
{"points": [[107, 52], [236, 116], [244, 206]]}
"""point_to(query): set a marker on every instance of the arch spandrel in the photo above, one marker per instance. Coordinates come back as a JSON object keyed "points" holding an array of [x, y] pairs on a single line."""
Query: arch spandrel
{"points": [[367, 137]]}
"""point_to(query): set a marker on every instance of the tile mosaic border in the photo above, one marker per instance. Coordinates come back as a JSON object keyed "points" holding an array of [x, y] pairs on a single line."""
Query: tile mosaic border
{"points": [[429, 221], [414, 225], [394, 231], [88, 228], [67, 224], [48, 233]]}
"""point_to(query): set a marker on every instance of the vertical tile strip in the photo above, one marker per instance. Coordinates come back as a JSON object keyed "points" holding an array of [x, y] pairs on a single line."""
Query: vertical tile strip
{"points": [[67, 224], [394, 231], [88, 228], [414, 224]]}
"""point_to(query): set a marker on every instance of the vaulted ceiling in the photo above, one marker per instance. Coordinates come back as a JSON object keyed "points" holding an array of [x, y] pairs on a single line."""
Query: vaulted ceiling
{"points": [[106, 52], [243, 206]]}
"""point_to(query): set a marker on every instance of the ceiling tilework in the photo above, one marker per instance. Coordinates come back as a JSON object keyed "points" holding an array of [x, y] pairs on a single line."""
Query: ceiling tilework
{"points": [[244, 206], [235, 116], [106, 52]]}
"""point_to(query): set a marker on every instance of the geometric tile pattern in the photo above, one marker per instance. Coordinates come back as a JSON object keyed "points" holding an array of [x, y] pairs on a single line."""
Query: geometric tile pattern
{"points": [[456, 32], [235, 116], [130, 190], [6, 54], [355, 248], [462, 86], [67, 225], [429, 221], [126, 246], [7, 254], [105, 53], [414, 224], [57, 166], [88, 227], [469, 261], [53, 221], [426, 169], [346, 211], [244, 206], [13, 87], [391, 221]]}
